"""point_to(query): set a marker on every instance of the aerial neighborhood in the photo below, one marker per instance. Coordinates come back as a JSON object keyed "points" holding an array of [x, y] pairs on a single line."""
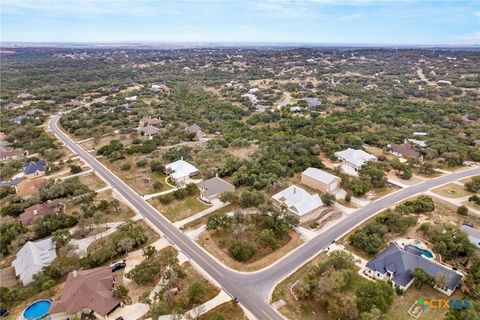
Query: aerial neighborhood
{"points": [[239, 183]]}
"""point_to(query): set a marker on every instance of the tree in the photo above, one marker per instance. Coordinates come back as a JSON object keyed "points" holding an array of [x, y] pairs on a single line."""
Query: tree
{"points": [[267, 237], [473, 185], [348, 197], [149, 251], [229, 197], [121, 292], [157, 166], [125, 166], [462, 210], [145, 272], [374, 294], [343, 306], [61, 237], [422, 278], [195, 291], [251, 199], [241, 250], [328, 198], [74, 169], [218, 221]]}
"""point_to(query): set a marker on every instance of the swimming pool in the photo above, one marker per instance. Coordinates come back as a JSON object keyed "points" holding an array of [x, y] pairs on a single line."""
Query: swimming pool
{"points": [[424, 252], [36, 310]]}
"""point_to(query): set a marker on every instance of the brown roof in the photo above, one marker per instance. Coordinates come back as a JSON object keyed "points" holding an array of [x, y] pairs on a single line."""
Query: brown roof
{"points": [[405, 149], [29, 187], [6, 152], [90, 289], [34, 212]]}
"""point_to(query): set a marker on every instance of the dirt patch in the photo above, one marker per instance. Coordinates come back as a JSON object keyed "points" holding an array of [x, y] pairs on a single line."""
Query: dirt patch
{"points": [[261, 259], [78, 234], [92, 181], [7, 277], [452, 190]]}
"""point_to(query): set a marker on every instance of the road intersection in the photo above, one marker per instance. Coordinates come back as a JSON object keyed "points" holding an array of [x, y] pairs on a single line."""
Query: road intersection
{"points": [[252, 289]]}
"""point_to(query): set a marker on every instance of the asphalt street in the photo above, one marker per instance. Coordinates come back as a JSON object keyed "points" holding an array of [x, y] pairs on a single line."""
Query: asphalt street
{"points": [[252, 289]]}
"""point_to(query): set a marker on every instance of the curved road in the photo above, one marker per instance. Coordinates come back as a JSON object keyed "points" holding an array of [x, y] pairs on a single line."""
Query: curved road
{"points": [[252, 289]]}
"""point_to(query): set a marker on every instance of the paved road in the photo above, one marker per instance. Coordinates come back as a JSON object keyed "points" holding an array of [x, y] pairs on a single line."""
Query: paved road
{"points": [[252, 289]]}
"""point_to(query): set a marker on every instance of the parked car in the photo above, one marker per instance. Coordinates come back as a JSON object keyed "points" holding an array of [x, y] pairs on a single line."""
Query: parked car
{"points": [[118, 265], [3, 313]]}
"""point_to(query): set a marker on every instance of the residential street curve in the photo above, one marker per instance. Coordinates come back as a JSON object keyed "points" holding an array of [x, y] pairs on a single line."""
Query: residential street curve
{"points": [[252, 289]]}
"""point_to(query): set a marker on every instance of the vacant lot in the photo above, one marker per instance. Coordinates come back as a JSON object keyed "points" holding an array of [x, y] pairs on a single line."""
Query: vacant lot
{"points": [[452, 190], [179, 209], [92, 181], [305, 309], [217, 245], [140, 179]]}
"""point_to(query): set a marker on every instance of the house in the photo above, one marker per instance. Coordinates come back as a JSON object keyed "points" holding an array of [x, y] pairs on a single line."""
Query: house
{"points": [[313, 102], [132, 98], [32, 258], [149, 121], [149, 131], [25, 96], [35, 212], [33, 169], [444, 83], [253, 98], [397, 264], [355, 158], [9, 153], [261, 108], [473, 234], [27, 188], [211, 189], [13, 106], [180, 171], [320, 180], [19, 119], [86, 291], [195, 129], [404, 150], [299, 202], [296, 109], [418, 143], [159, 87]]}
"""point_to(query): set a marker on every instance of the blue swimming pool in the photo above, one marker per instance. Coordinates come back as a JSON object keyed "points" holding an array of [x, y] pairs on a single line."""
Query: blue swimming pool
{"points": [[424, 252], [37, 310]]}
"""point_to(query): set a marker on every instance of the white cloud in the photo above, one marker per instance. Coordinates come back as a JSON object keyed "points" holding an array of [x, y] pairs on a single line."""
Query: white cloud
{"points": [[473, 38], [477, 14]]}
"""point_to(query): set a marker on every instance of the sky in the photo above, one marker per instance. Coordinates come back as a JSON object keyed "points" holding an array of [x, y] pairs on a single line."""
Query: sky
{"points": [[413, 22]]}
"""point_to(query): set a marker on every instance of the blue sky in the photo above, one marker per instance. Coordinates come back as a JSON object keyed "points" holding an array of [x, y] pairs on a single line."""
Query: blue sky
{"points": [[310, 21]]}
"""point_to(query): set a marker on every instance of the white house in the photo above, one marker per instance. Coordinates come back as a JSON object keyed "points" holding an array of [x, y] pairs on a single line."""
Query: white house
{"points": [[132, 98], [299, 202], [32, 258], [180, 171], [355, 158]]}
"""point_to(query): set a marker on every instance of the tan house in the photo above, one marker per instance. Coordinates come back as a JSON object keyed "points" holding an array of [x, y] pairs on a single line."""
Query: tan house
{"points": [[211, 189], [320, 180], [27, 188], [86, 291], [35, 212]]}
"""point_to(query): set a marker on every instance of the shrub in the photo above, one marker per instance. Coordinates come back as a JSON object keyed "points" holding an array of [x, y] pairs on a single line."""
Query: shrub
{"points": [[157, 185], [462, 210], [156, 166], [125, 167], [141, 163], [195, 291], [328, 199], [241, 250], [348, 197], [145, 272], [74, 169]]}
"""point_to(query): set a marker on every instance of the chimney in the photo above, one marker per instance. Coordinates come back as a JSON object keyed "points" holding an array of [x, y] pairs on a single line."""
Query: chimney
{"points": [[294, 190], [35, 212], [181, 158], [75, 273]]}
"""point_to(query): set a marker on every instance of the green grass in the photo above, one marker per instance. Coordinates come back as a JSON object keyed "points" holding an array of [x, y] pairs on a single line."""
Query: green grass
{"points": [[180, 209]]}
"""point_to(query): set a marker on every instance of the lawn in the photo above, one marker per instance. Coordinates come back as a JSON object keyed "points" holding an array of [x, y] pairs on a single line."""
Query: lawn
{"points": [[401, 304], [180, 209], [229, 311], [452, 190]]}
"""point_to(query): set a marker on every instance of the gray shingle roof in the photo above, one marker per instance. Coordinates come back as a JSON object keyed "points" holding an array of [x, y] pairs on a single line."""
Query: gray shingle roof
{"points": [[31, 167], [215, 186], [401, 263]]}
